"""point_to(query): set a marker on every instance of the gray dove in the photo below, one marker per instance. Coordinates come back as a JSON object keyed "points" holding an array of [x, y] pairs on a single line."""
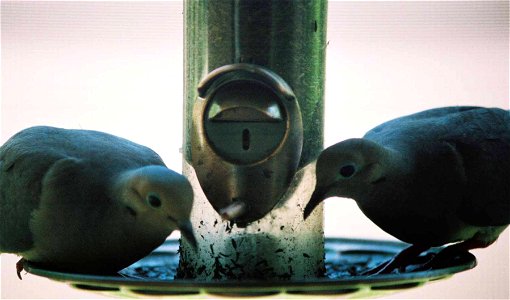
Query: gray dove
{"points": [[432, 178], [86, 201]]}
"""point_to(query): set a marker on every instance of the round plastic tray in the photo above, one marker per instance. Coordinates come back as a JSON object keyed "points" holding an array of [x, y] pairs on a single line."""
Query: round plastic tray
{"points": [[345, 259]]}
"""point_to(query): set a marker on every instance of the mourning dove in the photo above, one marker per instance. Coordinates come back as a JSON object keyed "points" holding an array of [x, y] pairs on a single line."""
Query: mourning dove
{"points": [[432, 178], [86, 201]]}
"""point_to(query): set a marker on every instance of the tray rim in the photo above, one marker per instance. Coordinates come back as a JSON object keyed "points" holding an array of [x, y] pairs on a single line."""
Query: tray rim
{"points": [[118, 283]]}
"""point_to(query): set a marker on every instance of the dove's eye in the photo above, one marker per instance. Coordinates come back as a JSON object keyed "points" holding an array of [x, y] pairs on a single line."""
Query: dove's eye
{"points": [[347, 171], [154, 200]]}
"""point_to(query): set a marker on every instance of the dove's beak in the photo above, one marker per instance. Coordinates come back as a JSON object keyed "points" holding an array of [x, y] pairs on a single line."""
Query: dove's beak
{"points": [[318, 195], [186, 230]]}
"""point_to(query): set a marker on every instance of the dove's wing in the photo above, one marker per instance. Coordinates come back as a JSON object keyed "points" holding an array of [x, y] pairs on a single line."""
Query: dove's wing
{"points": [[74, 203], [418, 118], [20, 186], [485, 151], [474, 141]]}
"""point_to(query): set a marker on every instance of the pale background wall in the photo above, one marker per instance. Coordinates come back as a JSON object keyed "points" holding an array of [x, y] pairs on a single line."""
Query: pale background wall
{"points": [[117, 67]]}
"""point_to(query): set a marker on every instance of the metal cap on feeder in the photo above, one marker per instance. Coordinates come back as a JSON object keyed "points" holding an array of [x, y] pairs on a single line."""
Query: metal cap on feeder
{"points": [[246, 141]]}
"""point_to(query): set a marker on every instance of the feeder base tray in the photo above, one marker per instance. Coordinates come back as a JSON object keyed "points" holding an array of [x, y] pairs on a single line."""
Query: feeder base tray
{"points": [[345, 258]]}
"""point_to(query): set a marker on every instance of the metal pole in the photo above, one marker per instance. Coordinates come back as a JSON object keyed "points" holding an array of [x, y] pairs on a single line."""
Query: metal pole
{"points": [[269, 56]]}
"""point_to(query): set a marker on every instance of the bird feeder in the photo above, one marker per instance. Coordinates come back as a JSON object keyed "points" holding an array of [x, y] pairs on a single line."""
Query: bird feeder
{"points": [[254, 86], [253, 125]]}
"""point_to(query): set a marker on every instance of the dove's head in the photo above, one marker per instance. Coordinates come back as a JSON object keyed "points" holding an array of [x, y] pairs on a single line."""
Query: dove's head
{"points": [[346, 169], [160, 199]]}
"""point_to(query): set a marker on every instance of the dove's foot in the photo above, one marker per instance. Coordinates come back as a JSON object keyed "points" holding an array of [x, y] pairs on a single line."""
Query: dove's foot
{"points": [[20, 268], [403, 259], [443, 259]]}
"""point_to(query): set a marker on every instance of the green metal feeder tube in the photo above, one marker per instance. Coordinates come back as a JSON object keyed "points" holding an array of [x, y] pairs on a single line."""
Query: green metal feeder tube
{"points": [[253, 124]]}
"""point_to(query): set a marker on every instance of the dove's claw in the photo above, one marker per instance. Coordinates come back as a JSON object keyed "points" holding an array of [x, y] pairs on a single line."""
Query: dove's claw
{"points": [[376, 270], [20, 267], [443, 258], [399, 262]]}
